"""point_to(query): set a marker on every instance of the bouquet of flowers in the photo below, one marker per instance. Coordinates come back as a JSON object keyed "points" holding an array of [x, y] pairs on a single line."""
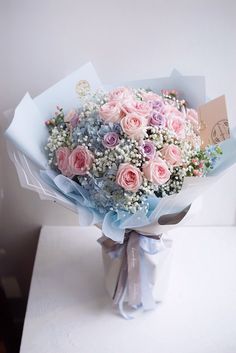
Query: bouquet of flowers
{"points": [[130, 160], [127, 147]]}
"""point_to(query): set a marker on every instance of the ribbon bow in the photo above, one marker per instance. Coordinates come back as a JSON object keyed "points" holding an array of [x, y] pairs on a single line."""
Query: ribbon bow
{"points": [[135, 278]]}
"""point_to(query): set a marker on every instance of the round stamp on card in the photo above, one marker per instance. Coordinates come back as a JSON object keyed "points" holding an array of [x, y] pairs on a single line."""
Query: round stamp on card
{"points": [[220, 131]]}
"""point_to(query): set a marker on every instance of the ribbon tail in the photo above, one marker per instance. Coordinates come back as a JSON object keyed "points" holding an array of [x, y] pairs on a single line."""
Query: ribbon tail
{"points": [[147, 269], [121, 289], [121, 281], [133, 259], [121, 306]]}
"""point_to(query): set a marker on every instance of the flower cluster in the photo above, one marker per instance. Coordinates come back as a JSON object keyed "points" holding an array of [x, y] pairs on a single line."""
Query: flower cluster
{"points": [[127, 145]]}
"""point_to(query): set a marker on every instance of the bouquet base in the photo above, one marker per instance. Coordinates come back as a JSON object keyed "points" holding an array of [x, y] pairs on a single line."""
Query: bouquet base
{"points": [[146, 285]]}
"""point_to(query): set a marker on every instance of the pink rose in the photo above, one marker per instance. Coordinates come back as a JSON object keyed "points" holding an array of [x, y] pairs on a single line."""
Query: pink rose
{"points": [[172, 154], [62, 158], [156, 171], [177, 125], [171, 111], [192, 116], [133, 106], [110, 112], [120, 94], [80, 160], [129, 177], [150, 96], [134, 125], [175, 120]]}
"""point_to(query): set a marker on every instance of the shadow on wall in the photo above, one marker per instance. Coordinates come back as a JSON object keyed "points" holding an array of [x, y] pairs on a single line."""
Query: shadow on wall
{"points": [[18, 230], [17, 260], [22, 214]]}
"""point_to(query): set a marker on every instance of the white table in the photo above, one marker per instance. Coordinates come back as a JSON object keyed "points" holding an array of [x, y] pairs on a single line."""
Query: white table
{"points": [[70, 312]]}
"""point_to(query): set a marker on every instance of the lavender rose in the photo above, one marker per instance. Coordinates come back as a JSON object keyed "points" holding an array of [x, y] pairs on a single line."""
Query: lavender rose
{"points": [[157, 105], [157, 119], [148, 149], [110, 140]]}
